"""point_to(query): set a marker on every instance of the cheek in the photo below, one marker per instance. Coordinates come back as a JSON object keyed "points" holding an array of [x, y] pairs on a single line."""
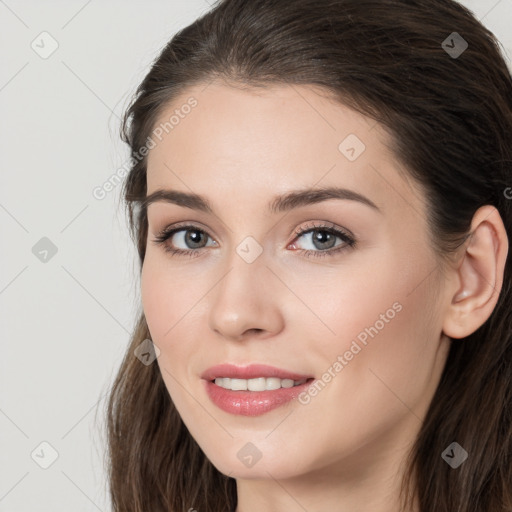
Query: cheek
{"points": [[168, 298], [173, 304], [350, 299], [165, 309], [155, 299], [381, 325]]}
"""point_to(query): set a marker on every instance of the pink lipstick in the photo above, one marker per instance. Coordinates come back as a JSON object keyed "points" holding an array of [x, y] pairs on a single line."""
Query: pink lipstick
{"points": [[252, 390]]}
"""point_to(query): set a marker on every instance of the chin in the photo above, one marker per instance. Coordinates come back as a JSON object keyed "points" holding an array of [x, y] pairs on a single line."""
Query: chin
{"points": [[260, 470]]}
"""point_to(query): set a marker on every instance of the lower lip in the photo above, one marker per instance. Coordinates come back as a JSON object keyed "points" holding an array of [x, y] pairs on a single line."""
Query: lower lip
{"points": [[252, 403]]}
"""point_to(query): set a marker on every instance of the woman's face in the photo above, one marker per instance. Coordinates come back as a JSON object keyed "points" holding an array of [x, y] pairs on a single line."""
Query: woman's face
{"points": [[361, 316]]}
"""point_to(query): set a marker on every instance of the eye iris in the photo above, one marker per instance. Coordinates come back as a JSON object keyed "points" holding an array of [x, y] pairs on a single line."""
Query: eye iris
{"points": [[321, 236], [193, 239]]}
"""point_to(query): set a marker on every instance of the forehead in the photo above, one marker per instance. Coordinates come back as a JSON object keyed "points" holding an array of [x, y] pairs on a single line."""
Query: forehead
{"points": [[246, 143]]}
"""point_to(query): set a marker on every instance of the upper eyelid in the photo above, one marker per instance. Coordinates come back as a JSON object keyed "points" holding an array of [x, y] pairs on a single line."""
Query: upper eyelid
{"points": [[327, 225]]}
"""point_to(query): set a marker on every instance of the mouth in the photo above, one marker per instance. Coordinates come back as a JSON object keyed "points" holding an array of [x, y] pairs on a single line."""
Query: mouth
{"points": [[254, 389], [253, 397], [258, 383]]}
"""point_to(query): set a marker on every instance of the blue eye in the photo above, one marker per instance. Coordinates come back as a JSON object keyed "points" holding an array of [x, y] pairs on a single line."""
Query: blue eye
{"points": [[325, 235], [322, 238], [197, 236]]}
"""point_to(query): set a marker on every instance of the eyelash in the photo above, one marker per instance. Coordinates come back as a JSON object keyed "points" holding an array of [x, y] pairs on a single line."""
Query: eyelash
{"points": [[350, 242]]}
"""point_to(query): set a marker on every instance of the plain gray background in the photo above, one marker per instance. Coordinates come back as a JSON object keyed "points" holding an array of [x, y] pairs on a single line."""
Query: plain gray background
{"points": [[65, 321]]}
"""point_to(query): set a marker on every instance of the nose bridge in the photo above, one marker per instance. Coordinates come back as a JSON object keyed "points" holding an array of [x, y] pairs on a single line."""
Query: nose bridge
{"points": [[246, 263], [242, 300], [240, 287]]}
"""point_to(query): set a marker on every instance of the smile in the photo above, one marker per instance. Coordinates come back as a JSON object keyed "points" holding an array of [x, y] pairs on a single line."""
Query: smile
{"points": [[257, 384]]}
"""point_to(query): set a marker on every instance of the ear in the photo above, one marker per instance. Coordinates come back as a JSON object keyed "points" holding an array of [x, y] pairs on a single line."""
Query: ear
{"points": [[479, 276]]}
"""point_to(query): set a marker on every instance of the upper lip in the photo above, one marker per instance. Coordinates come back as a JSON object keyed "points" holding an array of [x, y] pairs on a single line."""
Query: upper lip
{"points": [[251, 371]]}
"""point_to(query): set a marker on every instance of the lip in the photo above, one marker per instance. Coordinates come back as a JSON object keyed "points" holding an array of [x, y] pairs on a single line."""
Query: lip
{"points": [[251, 371], [251, 403]]}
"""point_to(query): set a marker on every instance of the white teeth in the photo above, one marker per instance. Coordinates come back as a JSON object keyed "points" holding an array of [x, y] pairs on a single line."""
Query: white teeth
{"points": [[258, 384]]}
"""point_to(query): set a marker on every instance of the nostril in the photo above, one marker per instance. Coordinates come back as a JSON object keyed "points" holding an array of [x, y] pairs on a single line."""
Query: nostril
{"points": [[253, 331]]}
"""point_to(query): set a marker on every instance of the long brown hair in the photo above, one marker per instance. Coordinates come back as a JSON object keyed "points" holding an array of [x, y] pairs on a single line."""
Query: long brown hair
{"points": [[449, 111]]}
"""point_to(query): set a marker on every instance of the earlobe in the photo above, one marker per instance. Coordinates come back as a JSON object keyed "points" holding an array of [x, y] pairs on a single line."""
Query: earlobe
{"points": [[479, 275]]}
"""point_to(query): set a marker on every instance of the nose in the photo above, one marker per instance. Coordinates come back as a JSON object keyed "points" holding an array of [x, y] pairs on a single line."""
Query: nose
{"points": [[246, 301]]}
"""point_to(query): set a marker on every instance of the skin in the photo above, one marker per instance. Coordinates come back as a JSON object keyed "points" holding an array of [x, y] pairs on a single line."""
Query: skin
{"points": [[344, 449]]}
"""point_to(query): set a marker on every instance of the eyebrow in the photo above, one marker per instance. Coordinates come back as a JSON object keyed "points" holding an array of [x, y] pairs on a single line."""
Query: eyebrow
{"points": [[282, 203]]}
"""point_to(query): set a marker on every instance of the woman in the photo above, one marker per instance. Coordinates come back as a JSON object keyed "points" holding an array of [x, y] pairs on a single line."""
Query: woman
{"points": [[321, 200]]}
